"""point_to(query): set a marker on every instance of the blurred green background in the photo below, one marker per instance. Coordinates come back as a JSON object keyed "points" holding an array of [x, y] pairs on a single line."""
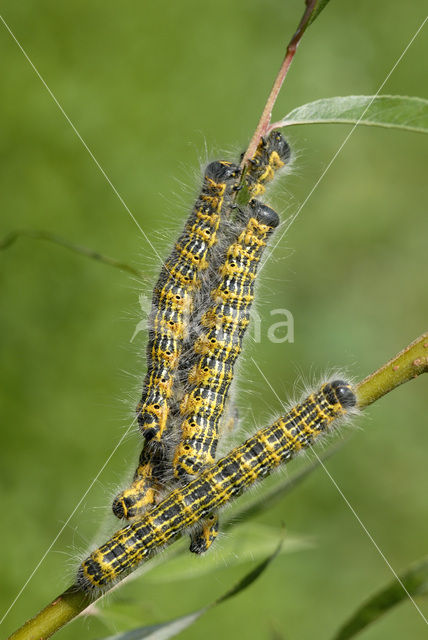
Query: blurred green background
{"points": [[155, 90]]}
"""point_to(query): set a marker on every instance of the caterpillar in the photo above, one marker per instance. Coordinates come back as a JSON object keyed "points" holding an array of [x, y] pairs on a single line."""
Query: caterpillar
{"points": [[217, 485], [172, 295], [219, 344], [171, 305]]}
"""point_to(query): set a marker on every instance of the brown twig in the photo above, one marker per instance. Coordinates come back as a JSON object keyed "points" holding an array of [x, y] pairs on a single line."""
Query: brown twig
{"points": [[262, 128]]}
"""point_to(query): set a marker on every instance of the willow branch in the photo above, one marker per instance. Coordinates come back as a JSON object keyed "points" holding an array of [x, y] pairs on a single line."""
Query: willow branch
{"points": [[405, 366], [63, 609]]}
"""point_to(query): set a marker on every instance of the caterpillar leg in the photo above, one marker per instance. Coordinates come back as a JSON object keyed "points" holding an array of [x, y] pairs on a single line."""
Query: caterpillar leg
{"points": [[204, 535]]}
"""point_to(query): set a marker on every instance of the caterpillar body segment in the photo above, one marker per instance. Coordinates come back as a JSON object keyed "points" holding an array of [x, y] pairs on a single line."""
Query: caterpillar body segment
{"points": [[216, 485], [204, 535], [217, 348], [272, 154]]}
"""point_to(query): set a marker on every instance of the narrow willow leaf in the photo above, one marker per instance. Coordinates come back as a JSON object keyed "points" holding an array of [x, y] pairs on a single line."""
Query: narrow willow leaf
{"points": [[13, 236], [415, 581], [393, 112], [320, 5], [251, 543], [172, 628]]}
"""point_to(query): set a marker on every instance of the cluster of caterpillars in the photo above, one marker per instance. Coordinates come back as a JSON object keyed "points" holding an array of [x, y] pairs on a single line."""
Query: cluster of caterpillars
{"points": [[200, 312]]}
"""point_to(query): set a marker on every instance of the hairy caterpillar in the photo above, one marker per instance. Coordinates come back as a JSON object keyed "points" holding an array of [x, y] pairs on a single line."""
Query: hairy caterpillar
{"points": [[219, 345], [173, 292], [172, 302], [217, 485], [203, 534]]}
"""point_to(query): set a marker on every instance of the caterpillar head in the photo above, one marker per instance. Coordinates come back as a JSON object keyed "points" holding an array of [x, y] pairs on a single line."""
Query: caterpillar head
{"points": [[264, 214], [340, 392], [134, 501], [220, 172]]}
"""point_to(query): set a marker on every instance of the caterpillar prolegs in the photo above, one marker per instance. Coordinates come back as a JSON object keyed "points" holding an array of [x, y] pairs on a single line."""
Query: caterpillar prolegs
{"points": [[172, 303], [217, 485]]}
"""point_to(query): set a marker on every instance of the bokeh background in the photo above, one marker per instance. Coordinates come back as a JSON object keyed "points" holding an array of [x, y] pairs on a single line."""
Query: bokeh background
{"points": [[155, 90]]}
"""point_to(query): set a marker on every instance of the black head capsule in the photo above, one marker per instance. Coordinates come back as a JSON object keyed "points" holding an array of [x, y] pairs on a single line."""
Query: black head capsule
{"points": [[221, 171], [277, 142], [121, 506], [264, 214], [341, 391]]}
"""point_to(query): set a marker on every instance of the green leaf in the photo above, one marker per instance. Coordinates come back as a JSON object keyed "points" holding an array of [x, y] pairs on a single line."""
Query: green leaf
{"points": [[394, 112], [415, 581], [320, 5], [173, 627], [251, 542]]}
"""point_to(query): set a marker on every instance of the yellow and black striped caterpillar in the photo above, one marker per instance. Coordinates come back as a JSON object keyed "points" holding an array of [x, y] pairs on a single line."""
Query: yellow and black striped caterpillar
{"points": [[219, 344], [173, 293], [172, 303], [217, 485]]}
